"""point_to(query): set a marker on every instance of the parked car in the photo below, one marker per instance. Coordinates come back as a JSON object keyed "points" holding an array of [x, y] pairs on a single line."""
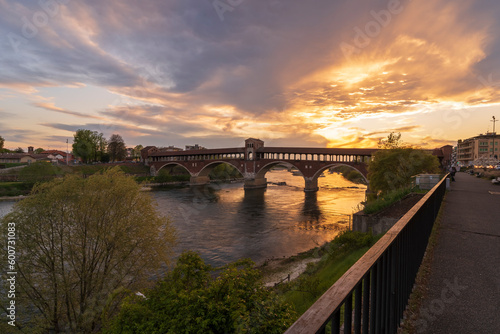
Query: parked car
{"points": [[497, 167]]}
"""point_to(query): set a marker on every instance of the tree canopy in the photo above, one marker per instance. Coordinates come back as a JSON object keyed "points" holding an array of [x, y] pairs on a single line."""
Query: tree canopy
{"points": [[192, 299], [392, 169], [78, 242], [89, 145], [393, 141], [137, 152], [2, 142], [116, 148]]}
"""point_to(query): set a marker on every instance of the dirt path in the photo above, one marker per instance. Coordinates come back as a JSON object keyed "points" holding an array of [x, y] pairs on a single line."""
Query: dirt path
{"points": [[276, 271]]}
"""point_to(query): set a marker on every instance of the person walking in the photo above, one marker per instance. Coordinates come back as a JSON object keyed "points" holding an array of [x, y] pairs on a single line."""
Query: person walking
{"points": [[453, 170]]}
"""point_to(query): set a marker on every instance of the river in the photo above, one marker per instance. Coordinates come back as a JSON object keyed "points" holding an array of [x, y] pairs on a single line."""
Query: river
{"points": [[223, 222]]}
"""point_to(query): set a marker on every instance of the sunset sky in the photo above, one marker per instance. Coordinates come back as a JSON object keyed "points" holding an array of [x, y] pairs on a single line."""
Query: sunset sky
{"points": [[317, 73]]}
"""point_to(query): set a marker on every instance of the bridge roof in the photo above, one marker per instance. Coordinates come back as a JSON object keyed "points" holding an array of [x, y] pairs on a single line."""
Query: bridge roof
{"points": [[313, 150], [298, 150], [197, 152]]}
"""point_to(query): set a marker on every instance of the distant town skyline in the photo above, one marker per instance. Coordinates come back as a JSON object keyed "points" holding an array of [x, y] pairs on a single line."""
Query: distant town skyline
{"points": [[292, 73]]}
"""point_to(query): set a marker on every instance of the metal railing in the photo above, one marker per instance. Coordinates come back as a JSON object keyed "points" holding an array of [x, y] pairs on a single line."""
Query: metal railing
{"points": [[373, 294]]}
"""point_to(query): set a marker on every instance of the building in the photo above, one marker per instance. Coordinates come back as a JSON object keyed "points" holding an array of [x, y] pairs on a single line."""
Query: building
{"points": [[444, 154], [169, 149], [194, 147], [56, 156], [16, 158], [483, 148], [146, 151]]}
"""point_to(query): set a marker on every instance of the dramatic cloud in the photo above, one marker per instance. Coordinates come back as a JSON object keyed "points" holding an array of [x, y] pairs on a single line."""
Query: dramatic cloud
{"points": [[290, 72], [52, 107]]}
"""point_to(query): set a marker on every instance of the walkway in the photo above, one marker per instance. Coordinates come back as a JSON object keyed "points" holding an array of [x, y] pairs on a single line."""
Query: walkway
{"points": [[464, 283]]}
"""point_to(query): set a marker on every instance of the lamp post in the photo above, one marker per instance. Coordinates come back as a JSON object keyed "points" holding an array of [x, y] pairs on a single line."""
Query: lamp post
{"points": [[494, 137]]}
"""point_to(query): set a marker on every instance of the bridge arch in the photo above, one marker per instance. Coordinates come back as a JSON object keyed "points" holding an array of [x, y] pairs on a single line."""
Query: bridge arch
{"points": [[173, 165], [205, 171], [321, 170], [266, 168]]}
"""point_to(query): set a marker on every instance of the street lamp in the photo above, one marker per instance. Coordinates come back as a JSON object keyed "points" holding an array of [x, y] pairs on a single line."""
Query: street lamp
{"points": [[494, 137]]}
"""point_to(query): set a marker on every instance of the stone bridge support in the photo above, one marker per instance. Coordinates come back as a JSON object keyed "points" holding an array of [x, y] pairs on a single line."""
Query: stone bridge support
{"points": [[255, 183], [311, 184], [199, 180]]}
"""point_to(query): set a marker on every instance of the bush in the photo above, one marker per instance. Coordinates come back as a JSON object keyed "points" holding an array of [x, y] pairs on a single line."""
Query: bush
{"points": [[193, 299], [14, 188], [393, 169], [39, 172], [79, 241], [348, 241], [386, 200]]}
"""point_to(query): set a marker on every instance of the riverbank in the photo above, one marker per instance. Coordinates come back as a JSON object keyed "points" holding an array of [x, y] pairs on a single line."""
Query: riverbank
{"points": [[301, 279], [12, 198]]}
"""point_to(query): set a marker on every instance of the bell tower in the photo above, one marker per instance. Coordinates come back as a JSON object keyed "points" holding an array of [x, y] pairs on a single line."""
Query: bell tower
{"points": [[251, 147]]}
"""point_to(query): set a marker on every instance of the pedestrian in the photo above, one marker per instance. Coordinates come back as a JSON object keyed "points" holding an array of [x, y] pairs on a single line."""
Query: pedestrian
{"points": [[453, 170]]}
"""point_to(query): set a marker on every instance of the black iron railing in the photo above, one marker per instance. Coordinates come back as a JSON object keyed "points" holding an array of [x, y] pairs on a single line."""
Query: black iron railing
{"points": [[373, 294]]}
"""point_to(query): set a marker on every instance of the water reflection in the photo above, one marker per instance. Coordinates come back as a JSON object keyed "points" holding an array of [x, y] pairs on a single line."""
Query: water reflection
{"points": [[223, 222], [311, 209]]}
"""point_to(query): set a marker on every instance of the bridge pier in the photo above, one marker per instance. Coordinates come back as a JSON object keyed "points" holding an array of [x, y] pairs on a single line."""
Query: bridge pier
{"points": [[311, 184], [199, 180], [255, 183]]}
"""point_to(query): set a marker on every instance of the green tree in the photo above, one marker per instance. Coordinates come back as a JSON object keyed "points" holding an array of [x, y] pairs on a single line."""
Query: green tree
{"points": [[137, 152], [19, 150], [393, 141], [2, 142], [39, 150], [224, 172], [89, 145], [39, 172], [101, 145], [392, 169], [191, 299], [116, 148], [79, 241], [83, 145]]}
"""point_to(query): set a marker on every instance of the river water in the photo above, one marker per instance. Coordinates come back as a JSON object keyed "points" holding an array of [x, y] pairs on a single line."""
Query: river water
{"points": [[224, 222]]}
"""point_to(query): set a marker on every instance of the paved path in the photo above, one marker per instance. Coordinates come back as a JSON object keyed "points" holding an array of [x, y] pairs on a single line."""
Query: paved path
{"points": [[464, 283]]}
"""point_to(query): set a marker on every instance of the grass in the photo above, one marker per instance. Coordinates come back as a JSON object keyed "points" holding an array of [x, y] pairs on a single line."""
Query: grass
{"points": [[310, 288], [337, 257], [14, 164], [383, 202], [14, 188], [126, 168]]}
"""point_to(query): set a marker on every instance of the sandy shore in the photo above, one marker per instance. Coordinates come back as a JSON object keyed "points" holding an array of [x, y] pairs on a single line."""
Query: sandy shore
{"points": [[275, 271]]}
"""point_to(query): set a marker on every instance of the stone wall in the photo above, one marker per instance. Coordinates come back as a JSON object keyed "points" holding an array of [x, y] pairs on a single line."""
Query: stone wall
{"points": [[382, 221]]}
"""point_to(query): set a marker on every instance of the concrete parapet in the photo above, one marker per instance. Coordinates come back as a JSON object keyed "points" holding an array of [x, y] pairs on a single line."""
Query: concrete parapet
{"points": [[427, 181], [372, 223]]}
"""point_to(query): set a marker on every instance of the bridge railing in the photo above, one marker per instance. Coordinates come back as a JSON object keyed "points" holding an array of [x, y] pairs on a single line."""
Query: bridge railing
{"points": [[373, 294]]}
